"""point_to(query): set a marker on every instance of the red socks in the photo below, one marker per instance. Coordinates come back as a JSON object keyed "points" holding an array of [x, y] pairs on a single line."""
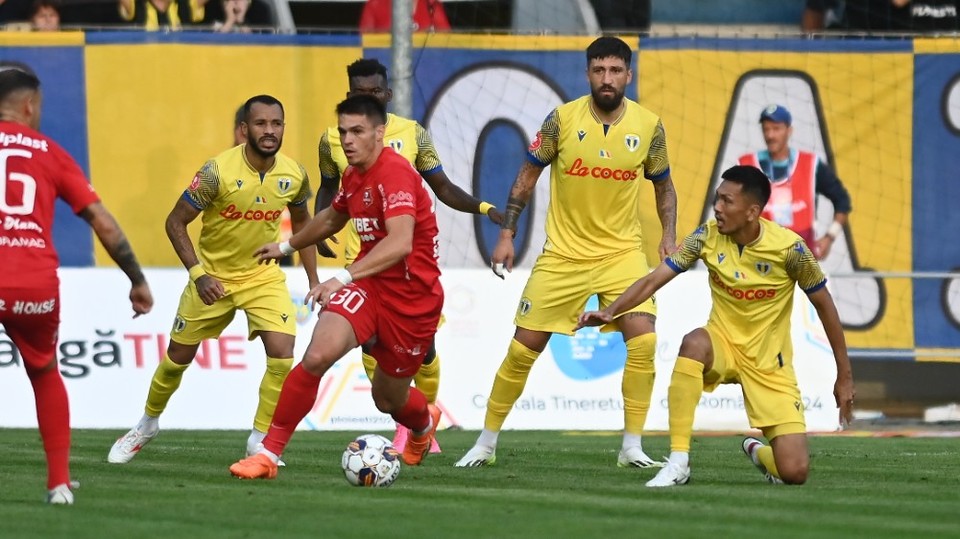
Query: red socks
{"points": [[414, 414], [53, 417], [296, 399]]}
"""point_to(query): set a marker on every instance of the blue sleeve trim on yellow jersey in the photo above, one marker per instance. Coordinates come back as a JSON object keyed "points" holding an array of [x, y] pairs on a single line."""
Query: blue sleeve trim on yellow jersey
{"points": [[533, 159], [190, 201], [814, 288], [670, 264], [434, 170], [662, 176]]}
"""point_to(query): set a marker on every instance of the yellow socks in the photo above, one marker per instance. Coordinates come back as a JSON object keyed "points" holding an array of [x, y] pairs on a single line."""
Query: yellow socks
{"points": [[369, 365], [686, 386], [270, 385], [509, 383], [427, 379], [765, 456], [637, 386], [166, 380]]}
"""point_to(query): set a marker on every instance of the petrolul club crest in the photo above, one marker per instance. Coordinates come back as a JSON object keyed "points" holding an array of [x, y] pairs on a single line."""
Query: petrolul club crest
{"points": [[632, 142], [367, 196], [763, 267], [396, 144], [283, 184]]}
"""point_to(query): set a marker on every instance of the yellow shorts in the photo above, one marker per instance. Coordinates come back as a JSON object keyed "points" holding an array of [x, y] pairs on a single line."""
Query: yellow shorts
{"points": [[771, 398], [559, 288], [267, 304]]}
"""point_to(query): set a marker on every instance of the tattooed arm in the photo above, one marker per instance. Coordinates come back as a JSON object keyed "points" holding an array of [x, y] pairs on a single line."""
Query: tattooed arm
{"points": [[520, 194], [667, 211]]}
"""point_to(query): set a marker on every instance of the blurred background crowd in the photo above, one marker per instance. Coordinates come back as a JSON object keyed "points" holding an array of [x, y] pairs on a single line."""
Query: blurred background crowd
{"points": [[554, 16]]}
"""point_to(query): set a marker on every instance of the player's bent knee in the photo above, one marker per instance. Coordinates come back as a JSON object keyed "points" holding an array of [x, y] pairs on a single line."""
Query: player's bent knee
{"points": [[696, 345], [317, 362], [794, 471]]}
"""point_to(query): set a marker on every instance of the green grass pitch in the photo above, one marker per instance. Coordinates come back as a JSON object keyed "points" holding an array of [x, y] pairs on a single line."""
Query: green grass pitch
{"points": [[545, 485]]}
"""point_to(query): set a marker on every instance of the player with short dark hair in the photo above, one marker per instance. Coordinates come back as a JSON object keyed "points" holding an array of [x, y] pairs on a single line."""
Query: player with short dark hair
{"points": [[391, 295], [240, 196], [37, 172], [367, 76], [598, 147], [754, 266]]}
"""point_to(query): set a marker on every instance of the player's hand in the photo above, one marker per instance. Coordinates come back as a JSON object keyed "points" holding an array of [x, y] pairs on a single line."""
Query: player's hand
{"points": [[324, 249], [668, 246], [209, 289], [823, 247], [141, 299], [844, 392], [322, 293], [495, 216], [503, 254], [268, 253], [593, 318]]}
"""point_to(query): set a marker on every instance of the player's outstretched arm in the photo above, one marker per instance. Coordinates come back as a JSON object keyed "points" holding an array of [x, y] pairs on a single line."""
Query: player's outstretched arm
{"points": [[322, 226], [637, 293], [843, 390], [299, 218], [453, 196], [110, 234], [667, 211]]}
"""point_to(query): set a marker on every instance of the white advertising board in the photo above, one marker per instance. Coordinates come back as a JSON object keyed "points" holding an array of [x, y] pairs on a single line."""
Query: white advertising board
{"points": [[108, 358]]}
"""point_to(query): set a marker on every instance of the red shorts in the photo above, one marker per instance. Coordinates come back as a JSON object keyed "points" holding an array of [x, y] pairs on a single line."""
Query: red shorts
{"points": [[31, 317], [401, 341]]}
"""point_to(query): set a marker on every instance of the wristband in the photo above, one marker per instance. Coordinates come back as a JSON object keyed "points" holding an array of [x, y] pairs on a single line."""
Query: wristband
{"points": [[344, 276], [286, 249], [485, 208], [835, 230], [196, 272]]}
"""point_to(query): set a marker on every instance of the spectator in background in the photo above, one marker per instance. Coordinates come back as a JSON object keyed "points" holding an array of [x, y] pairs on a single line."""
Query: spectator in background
{"points": [[238, 16], [234, 17], [882, 15], [797, 177], [45, 16], [622, 14], [428, 16], [154, 15]]}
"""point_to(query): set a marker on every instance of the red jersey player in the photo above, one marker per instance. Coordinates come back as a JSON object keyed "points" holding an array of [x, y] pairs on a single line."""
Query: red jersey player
{"points": [[34, 172], [391, 294]]}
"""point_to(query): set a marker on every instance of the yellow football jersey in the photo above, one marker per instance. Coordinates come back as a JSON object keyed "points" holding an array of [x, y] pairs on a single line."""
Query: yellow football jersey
{"points": [[407, 137], [752, 286], [241, 211], [594, 209]]}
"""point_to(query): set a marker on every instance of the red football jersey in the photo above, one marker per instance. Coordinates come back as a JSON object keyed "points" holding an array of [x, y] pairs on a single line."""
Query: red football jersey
{"points": [[34, 171], [392, 187]]}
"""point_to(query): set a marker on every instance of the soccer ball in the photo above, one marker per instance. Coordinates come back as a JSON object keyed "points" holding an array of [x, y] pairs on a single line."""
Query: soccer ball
{"points": [[370, 461]]}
